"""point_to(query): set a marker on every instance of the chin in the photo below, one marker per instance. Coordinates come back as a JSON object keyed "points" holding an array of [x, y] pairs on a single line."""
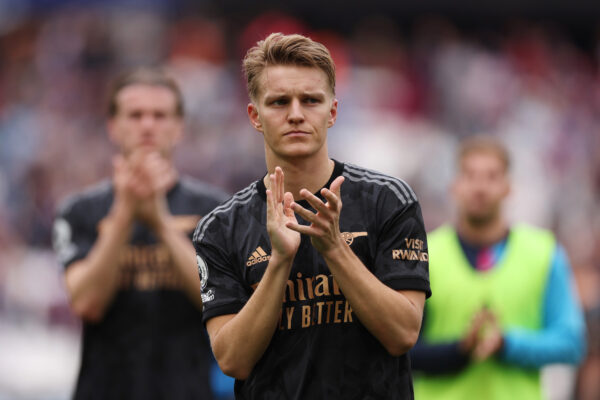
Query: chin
{"points": [[299, 152], [149, 146], [480, 219]]}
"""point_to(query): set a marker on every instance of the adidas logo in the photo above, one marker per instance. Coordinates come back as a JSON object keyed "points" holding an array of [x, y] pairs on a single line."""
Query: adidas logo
{"points": [[257, 256]]}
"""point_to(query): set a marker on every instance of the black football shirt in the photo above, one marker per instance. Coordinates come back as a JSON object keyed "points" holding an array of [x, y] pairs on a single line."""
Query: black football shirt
{"points": [[320, 349], [151, 343]]}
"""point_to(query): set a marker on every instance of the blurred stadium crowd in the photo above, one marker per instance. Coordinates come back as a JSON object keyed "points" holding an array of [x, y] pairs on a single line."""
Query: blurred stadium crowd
{"points": [[405, 100]]}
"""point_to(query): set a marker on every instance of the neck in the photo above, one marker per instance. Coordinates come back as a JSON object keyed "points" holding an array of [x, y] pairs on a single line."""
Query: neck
{"points": [[304, 173], [482, 235]]}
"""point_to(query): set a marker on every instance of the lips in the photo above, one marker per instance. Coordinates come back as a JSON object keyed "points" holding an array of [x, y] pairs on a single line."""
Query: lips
{"points": [[147, 142], [296, 133]]}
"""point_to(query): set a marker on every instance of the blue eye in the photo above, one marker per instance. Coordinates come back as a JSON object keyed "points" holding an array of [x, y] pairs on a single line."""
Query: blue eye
{"points": [[312, 100]]}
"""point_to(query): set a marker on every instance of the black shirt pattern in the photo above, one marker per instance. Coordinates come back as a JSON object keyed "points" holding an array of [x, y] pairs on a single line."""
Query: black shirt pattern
{"points": [[320, 349], [151, 343]]}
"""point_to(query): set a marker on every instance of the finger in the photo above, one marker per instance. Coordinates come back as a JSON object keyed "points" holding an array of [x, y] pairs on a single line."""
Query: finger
{"points": [[479, 319], [154, 157], [163, 175], [270, 201], [155, 164], [314, 201], [150, 174], [136, 157], [474, 330], [470, 340], [153, 168], [484, 350], [307, 215], [140, 186], [336, 185], [279, 174], [274, 188], [288, 201], [138, 174], [119, 169], [139, 191], [334, 202], [478, 353], [472, 334], [303, 229], [162, 183], [136, 167], [481, 349], [121, 173]]}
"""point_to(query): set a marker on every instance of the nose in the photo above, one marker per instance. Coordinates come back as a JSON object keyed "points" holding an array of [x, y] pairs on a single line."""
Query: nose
{"points": [[295, 115], [147, 120]]}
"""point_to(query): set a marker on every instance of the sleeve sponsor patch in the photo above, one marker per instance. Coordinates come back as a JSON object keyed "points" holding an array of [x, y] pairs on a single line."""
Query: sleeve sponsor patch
{"points": [[414, 251]]}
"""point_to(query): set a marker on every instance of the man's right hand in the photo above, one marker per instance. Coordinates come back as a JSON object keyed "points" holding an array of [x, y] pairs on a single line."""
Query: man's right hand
{"points": [[240, 340], [284, 241]]}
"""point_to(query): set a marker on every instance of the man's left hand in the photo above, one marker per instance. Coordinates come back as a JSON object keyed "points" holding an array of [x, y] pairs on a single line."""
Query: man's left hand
{"points": [[324, 228]]}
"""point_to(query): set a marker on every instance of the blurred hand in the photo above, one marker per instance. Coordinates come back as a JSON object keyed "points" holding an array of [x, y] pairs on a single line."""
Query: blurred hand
{"points": [[469, 341], [154, 177], [126, 196], [284, 241], [490, 339], [141, 182]]}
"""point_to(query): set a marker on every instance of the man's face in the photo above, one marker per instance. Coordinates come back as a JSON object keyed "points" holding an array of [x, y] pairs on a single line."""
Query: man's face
{"points": [[146, 119], [293, 109], [480, 187]]}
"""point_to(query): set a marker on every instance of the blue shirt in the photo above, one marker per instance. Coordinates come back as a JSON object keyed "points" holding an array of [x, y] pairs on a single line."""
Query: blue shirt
{"points": [[562, 338]]}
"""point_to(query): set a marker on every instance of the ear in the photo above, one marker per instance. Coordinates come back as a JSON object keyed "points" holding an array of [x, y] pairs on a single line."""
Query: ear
{"points": [[332, 113], [254, 117]]}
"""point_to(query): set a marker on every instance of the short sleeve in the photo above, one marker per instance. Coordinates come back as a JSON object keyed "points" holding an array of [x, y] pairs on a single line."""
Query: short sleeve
{"points": [[72, 237], [402, 260], [223, 288]]}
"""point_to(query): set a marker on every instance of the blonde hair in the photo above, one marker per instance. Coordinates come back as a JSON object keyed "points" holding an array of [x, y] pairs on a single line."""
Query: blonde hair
{"points": [[280, 49], [484, 144]]}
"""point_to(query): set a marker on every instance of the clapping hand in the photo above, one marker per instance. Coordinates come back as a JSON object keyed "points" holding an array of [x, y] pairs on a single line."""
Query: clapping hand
{"points": [[284, 241], [324, 228], [484, 337]]}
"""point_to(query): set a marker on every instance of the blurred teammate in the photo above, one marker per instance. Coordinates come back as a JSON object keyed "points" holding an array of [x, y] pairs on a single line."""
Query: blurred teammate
{"points": [[130, 267], [504, 304], [314, 276]]}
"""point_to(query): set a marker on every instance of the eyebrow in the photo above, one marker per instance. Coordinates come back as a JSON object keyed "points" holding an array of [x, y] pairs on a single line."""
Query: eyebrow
{"points": [[317, 94]]}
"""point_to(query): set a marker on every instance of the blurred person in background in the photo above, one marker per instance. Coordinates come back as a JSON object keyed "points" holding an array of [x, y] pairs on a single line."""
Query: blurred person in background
{"points": [[505, 303], [129, 263], [306, 292]]}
